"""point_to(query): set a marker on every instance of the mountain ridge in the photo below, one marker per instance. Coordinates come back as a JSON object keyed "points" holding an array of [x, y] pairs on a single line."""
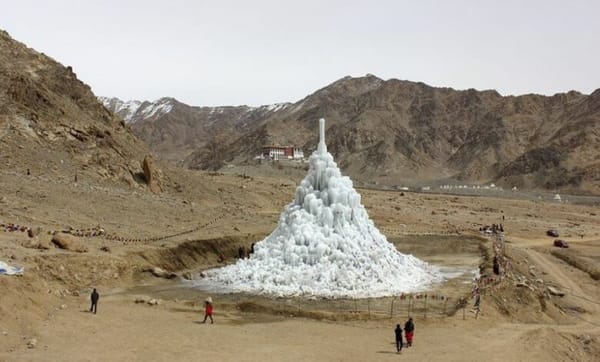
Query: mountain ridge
{"points": [[395, 130]]}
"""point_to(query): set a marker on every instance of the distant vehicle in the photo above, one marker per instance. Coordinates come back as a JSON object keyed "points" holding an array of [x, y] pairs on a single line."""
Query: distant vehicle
{"points": [[561, 243], [553, 233]]}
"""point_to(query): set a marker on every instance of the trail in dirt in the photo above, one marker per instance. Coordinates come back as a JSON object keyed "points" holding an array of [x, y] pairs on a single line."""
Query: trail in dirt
{"points": [[577, 296], [553, 270]]}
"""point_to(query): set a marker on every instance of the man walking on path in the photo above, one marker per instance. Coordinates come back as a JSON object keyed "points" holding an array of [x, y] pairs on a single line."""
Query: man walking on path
{"points": [[95, 296], [409, 329], [398, 331]]}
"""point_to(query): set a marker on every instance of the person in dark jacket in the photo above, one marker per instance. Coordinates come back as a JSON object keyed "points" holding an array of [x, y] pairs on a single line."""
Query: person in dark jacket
{"points": [[496, 265], [409, 329], [398, 331], [94, 297]]}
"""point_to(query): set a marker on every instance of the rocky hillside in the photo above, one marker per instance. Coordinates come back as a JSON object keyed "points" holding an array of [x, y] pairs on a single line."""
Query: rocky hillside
{"points": [[398, 131], [52, 125], [175, 130]]}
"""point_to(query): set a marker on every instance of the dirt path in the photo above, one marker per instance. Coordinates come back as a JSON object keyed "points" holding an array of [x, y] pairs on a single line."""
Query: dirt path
{"points": [[554, 272]]}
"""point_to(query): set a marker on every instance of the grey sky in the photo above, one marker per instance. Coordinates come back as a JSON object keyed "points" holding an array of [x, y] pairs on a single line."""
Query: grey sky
{"points": [[259, 52]]}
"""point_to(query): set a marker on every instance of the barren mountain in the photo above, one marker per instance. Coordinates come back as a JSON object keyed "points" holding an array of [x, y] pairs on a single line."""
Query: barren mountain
{"points": [[400, 131], [51, 123], [175, 130]]}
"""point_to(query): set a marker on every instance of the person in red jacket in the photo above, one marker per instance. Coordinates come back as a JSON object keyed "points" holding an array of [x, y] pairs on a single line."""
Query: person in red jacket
{"points": [[208, 310], [409, 331]]}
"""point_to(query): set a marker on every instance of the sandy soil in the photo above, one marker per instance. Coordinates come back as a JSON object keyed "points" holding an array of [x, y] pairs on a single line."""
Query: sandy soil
{"points": [[49, 303]]}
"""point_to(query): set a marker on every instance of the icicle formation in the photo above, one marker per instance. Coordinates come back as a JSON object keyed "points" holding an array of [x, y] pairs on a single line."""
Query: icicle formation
{"points": [[324, 245]]}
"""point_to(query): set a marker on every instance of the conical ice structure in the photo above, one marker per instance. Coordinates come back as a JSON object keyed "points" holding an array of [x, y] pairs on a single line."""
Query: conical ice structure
{"points": [[324, 245]]}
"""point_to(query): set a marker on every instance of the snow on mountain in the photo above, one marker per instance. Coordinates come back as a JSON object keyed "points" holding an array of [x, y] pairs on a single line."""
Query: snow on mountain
{"points": [[157, 108], [134, 110]]}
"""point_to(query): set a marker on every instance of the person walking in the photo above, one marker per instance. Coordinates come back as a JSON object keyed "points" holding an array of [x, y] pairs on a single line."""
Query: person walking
{"points": [[409, 329], [496, 265], [94, 297], [399, 343], [208, 310]]}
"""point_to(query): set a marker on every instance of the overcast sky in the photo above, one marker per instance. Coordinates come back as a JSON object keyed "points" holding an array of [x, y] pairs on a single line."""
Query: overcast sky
{"points": [[260, 52]]}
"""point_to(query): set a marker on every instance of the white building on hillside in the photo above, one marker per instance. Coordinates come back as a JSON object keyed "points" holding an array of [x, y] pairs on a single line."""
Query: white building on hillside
{"points": [[282, 153]]}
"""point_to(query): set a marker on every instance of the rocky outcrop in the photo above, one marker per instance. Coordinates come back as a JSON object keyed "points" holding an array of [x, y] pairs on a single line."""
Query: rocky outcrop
{"points": [[68, 242], [152, 175], [47, 111]]}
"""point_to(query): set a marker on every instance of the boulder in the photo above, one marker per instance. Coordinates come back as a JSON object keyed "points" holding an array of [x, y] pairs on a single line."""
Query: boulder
{"points": [[68, 242], [161, 273], [44, 242], [39, 242], [586, 338], [523, 285], [32, 343], [33, 232], [154, 302], [152, 175], [555, 291]]}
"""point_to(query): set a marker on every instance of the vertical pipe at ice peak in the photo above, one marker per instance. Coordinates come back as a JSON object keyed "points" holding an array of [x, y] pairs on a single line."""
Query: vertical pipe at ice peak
{"points": [[322, 146]]}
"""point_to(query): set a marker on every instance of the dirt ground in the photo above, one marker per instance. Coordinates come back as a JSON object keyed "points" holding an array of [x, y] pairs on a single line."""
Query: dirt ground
{"points": [[44, 313]]}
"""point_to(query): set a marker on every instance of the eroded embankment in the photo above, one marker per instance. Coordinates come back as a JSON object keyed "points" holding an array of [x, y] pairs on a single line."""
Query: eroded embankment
{"points": [[580, 262], [197, 254]]}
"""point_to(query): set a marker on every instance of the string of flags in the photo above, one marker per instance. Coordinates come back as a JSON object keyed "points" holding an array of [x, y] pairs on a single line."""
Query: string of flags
{"points": [[13, 227], [484, 281], [98, 231], [423, 296]]}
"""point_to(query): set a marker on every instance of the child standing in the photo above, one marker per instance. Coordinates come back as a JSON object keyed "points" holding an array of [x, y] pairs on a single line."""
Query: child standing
{"points": [[208, 310]]}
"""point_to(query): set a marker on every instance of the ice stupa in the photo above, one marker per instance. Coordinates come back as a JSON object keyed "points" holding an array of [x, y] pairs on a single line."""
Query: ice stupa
{"points": [[324, 245]]}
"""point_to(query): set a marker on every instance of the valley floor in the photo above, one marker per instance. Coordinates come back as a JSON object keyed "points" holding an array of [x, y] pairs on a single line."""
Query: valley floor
{"points": [[49, 303]]}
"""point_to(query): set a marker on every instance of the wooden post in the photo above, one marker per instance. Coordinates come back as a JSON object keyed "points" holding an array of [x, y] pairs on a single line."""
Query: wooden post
{"points": [[425, 308], [409, 303], [392, 308], [369, 306]]}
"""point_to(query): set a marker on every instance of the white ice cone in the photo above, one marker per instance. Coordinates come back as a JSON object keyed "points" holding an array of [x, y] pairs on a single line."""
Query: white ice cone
{"points": [[324, 245]]}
